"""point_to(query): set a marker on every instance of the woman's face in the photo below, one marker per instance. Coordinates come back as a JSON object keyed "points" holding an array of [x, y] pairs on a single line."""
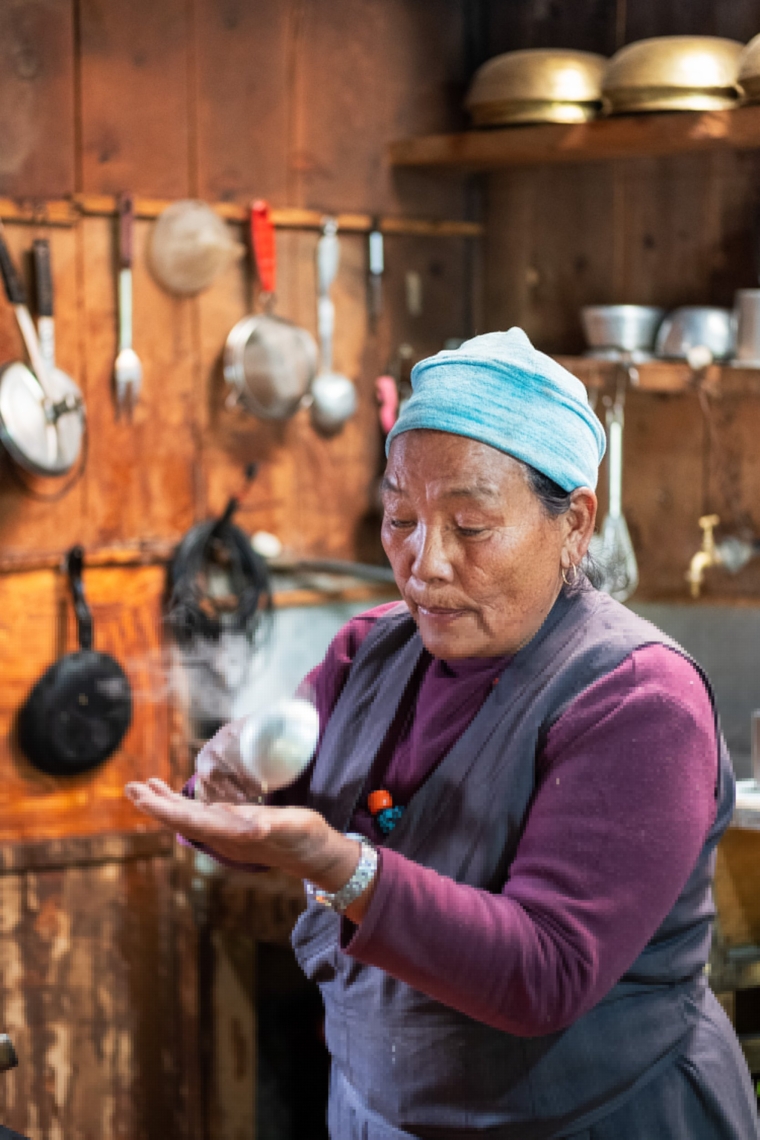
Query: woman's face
{"points": [[475, 555]]}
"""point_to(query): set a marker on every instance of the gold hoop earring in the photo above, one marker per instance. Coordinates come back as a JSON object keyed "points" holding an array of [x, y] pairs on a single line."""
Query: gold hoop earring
{"points": [[574, 579]]}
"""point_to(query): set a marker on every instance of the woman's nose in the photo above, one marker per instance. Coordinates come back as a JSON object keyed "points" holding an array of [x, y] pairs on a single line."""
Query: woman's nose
{"points": [[430, 562]]}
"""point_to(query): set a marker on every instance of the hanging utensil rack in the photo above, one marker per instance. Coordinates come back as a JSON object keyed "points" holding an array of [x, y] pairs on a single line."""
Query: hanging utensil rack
{"points": [[69, 211]]}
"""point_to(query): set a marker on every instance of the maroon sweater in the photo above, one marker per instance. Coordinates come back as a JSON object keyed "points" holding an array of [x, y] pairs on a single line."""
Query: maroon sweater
{"points": [[625, 797]]}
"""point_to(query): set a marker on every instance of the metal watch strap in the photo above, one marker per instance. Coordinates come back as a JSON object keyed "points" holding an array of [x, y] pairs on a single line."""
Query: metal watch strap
{"points": [[365, 872]]}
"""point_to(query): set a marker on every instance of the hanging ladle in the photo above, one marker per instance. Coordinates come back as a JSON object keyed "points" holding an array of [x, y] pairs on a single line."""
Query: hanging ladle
{"points": [[612, 547], [333, 395]]}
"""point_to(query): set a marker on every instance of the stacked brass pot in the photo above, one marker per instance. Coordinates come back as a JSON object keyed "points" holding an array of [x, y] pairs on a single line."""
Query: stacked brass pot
{"points": [[673, 73], [665, 73], [538, 85]]}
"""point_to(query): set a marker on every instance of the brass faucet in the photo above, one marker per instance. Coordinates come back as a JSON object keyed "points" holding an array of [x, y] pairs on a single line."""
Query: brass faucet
{"points": [[709, 555]]}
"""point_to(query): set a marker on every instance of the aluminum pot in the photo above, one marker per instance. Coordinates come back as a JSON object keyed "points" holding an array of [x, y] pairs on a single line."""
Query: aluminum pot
{"points": [[696, 326], [624, 328], [673, 73], [537, 85]]}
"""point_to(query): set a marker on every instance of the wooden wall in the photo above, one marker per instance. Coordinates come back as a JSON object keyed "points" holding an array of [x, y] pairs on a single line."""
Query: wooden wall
{"points": [[293, 100], [667, 231], [226, 100]]}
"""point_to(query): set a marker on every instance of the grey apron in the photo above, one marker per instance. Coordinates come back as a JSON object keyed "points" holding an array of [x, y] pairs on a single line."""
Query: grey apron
{"points": [[407, 1066]]}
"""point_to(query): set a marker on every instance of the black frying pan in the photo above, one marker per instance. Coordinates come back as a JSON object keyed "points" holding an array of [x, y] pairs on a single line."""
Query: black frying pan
{"points": [[80, 709]]}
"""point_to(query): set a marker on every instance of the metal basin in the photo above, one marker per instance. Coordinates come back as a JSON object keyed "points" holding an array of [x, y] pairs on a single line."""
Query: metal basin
{"points": [[626, 328], [694, 326]]}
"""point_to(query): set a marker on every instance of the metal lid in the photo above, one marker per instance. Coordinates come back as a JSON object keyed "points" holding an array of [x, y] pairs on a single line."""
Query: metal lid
{"points": [[44, 438]]}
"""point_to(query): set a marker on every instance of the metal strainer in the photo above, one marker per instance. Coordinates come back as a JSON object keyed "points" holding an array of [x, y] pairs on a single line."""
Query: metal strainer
{"points": [[269, 362]]}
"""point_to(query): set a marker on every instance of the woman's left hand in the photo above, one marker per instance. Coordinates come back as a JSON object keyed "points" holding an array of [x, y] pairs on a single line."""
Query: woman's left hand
{"points": [[296, 840]]}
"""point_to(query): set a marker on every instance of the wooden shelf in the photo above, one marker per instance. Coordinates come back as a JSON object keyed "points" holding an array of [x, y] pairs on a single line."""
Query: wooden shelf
{"points": [[668, 377], [629, 136]]}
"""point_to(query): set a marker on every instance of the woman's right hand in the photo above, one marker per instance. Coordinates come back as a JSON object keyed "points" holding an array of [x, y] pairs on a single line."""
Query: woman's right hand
{"points": [[220, 775]]}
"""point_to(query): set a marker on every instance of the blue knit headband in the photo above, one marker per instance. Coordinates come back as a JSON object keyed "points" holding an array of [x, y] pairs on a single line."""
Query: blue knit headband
{"points": [[499, 389]]}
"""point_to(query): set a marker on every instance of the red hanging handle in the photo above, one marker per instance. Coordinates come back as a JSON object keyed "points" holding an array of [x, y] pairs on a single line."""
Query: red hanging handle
{"points": [[263, 243]]}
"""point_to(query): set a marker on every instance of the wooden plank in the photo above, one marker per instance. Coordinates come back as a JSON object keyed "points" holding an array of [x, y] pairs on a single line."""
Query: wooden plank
{"points": [[243, 88], [283, 217], [230, 437], [87, 992], [36, 627], [633, 136], [78, 850], [141, 476], [36, 98], [586, 25], [232, 1079], [737, 21], [135, 131], [736, 894], [39, 211], [568, 260], [26, 524], [363, 72], [658, 376]]}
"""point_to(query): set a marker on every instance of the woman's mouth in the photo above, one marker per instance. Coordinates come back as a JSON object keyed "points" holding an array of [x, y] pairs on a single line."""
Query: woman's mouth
{"points": [[439, 614]]}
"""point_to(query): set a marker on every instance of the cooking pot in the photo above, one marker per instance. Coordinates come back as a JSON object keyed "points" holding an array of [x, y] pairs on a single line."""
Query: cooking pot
{"points": [[537, 85], [79, 711], [621, 328], [696, 326], [673, 73]]}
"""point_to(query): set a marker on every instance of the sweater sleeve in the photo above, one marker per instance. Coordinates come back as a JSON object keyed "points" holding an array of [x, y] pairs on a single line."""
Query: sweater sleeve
{"points": [[624, 801]]}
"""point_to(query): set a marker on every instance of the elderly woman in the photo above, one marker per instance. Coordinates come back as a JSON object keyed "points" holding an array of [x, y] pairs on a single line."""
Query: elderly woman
{"points": [[509, 825]]}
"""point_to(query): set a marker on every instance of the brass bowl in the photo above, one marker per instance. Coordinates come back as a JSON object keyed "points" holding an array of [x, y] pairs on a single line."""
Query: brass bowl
{"points": [[673, 73], [537, 85], [749, 71]]}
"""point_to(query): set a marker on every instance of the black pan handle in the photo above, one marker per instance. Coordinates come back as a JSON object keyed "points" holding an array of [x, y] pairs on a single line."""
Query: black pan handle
{"points": [[14, 286], [43, 277], [74, 566]]}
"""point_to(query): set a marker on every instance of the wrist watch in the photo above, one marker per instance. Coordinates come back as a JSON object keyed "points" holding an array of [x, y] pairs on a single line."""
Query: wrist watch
{"points": [[366, 869]]}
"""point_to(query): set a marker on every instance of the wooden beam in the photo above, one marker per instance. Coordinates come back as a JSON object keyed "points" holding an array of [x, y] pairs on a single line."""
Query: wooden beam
{"points": [[630, 136], [67, 212], [80, 850], [294, 218], [50, 212]]}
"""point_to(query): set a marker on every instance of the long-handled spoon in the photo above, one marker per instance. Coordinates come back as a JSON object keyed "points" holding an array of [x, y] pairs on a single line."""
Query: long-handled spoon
{"points": [[612, 547], [127, 367]]}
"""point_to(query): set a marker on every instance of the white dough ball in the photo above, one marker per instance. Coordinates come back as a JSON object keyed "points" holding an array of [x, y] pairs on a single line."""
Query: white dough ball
{"points": [[276, 747]]}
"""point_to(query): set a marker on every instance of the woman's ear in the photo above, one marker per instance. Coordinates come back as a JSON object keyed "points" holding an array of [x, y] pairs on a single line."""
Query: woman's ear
{"points": [[579, 522]]}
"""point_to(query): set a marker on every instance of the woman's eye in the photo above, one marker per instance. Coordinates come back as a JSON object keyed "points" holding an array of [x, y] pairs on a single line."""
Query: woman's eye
{"points": [[401, 524], [471, 531]]}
